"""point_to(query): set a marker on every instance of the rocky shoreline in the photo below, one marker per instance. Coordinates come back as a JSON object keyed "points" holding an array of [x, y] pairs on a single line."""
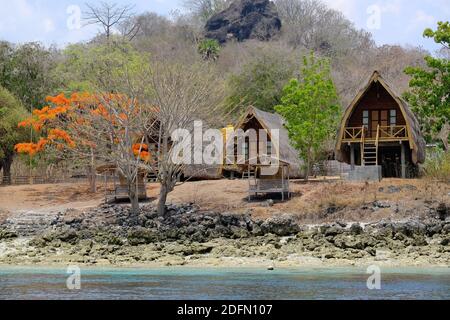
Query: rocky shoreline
{"points": [[110, 236]]}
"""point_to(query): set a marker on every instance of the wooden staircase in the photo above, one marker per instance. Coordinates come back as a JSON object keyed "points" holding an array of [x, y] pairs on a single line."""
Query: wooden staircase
{"points": [[248, 174], [369, 150]]}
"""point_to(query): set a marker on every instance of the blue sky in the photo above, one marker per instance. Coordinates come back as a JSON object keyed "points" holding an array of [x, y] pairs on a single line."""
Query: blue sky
{"points": [[54, 21]]}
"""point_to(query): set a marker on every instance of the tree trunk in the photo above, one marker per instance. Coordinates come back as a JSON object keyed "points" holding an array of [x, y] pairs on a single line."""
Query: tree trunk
{"points": [[92, 174], [6, 165], [92, 178], [134, 198], [308, 168], [162, 200]]}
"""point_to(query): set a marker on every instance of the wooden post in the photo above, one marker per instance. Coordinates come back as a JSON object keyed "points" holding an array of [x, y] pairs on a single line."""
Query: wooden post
{"points": [[352, 156], [249, 186], [403, 160], [282, 183]]}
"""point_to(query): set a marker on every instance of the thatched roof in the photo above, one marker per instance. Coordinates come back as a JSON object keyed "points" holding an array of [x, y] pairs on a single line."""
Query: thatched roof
{"points": [[270, 121], [416, 140]]}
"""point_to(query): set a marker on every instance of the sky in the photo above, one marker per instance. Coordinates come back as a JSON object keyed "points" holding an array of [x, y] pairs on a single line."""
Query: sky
{"points": [[57, 21]]}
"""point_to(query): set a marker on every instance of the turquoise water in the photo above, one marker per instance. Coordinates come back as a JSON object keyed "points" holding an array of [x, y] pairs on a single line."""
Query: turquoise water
{"points": [[236, 284]]}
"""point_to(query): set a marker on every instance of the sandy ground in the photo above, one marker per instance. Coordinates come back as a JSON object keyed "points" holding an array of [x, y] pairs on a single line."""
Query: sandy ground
{"points": [[307, 202]]}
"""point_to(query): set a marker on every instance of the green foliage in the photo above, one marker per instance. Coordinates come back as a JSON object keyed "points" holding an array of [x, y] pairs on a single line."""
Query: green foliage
{"points": [[209, 49], [429, 93], [260, 83], [437, 166], [87, 67], [26, 71], [311, 108], [11, 113]]}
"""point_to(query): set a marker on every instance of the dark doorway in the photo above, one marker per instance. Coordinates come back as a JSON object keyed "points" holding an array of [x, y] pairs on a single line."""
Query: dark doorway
{"points": [[390, 161]]}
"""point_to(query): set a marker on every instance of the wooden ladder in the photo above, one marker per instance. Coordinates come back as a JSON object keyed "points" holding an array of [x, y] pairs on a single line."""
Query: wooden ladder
{"points": [[248, 174], [369, 150]]}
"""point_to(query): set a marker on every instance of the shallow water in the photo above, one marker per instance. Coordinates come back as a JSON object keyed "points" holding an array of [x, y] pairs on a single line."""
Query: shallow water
{"points": [[224, 284]]}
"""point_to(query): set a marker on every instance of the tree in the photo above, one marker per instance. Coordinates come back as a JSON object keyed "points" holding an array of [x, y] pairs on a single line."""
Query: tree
{"points": [[429, 93], [205, 9], [182, 95], [27, 72], [260, 81], [97, 127], [112, 17], [312, 25], [311, 108], [100, 69], [209, 49], [11, 112]]}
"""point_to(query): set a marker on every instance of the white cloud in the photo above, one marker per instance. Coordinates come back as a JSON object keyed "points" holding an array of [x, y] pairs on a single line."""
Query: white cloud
{"points": [[347, 7], [23, 8], [49, 25], [394, 7], [422, 17]]}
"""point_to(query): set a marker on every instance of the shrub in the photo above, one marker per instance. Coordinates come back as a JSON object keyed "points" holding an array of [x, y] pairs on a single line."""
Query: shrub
{"points": [[437, 166]]}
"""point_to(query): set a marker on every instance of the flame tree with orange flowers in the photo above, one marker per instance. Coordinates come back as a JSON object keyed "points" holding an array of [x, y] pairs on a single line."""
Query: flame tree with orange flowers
{"points": [[113, 128], [107, 128]]}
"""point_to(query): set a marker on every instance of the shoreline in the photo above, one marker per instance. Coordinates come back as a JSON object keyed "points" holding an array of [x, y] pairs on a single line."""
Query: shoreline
{"points": [[109, 236], [205, 268]]}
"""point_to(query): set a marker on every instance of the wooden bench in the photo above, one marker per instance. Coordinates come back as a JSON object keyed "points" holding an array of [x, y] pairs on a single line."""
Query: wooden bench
{"points": [[269, 186]]}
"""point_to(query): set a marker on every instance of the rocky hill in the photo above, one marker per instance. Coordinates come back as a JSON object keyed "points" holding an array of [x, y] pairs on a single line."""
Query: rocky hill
{"points": [[245, 19]]}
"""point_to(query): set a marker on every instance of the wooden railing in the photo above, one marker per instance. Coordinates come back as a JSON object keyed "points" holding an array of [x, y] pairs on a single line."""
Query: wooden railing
{"points": [[353, 133], [383, 133], [363, 130], [393, 132]]}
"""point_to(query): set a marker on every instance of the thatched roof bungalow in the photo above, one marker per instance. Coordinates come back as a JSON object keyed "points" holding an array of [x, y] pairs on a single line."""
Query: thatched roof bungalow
{"points": [[379, 128]]}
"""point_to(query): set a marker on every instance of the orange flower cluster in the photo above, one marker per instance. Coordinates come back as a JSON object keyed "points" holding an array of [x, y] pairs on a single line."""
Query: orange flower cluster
{"points": [[41, 118], [142, 151], [74, 109], [58, 134], [31, 148]]}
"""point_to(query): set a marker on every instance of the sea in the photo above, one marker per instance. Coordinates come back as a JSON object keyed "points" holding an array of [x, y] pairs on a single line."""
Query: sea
{"points": [[180, 283]]}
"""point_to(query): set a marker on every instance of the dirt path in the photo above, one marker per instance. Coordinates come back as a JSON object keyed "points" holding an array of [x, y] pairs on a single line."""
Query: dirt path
{"points": [[310, 201]]}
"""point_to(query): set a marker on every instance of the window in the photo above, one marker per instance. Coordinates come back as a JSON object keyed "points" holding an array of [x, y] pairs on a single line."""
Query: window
{"points": [[366, 119], [269, 148], [393, 117], [247, 150]]}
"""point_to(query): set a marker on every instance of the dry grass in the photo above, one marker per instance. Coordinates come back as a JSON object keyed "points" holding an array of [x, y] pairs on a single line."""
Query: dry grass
{"points": [[314, 202]]}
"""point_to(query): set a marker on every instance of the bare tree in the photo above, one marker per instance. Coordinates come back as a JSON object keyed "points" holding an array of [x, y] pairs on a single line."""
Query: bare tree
{"points": [[111, 16], [182, 94], [205, 9]]}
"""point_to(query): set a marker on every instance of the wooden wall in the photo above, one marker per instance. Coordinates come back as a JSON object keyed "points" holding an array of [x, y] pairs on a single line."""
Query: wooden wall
{"points": [[376, 98]]}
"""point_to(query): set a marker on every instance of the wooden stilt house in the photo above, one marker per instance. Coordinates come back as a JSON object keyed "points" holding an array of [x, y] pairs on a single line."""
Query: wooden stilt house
{"points": [[289, 164], [379, 129]]}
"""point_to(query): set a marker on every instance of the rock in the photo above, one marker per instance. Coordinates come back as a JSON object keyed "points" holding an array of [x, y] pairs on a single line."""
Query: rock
{"points": [[348, 241], [141, 236], [268, 203], [244, 19], [331, 231], [443, 211], [5, 235], [381, 205], [382, 255], [356, 229], [280, 225], [395, 189]]}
